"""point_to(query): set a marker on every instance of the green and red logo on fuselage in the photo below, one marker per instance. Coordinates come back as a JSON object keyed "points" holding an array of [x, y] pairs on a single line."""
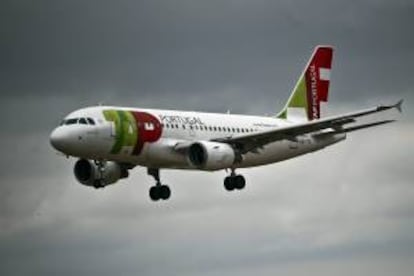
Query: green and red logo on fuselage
{"points": [[133, 129]]}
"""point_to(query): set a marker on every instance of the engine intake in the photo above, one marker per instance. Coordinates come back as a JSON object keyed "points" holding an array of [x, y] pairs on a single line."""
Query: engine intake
{"points": [[211, 155], [87, 173]]}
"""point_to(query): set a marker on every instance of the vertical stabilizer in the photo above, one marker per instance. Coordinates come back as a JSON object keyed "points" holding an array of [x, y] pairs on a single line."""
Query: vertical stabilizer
{"points": [[311, 89]]}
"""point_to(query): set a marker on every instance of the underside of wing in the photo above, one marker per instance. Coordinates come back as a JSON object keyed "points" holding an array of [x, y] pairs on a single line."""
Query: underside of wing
{"points": [[330, 125]]}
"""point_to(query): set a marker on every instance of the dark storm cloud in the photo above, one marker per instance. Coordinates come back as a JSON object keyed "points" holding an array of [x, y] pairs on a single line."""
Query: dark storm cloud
{"points": [[354, 211], [144, 48]]}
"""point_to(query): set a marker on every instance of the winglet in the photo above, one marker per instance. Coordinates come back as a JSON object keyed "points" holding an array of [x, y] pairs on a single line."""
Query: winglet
{"points": [[398, 105]]}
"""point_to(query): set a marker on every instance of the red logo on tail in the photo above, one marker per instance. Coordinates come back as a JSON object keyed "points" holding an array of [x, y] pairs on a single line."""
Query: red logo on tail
{"points": [[317, 80]]}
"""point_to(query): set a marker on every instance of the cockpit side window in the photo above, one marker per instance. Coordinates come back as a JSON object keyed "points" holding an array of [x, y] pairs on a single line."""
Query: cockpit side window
{"points": [[90, 121], [82, 121]]}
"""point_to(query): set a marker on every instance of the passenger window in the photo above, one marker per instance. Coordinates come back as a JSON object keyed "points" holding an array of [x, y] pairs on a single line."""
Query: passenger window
{"points": [[215, 128]]}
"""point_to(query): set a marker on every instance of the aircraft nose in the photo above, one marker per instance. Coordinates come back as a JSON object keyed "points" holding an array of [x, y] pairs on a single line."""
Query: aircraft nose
{"points": [[59, 139]]}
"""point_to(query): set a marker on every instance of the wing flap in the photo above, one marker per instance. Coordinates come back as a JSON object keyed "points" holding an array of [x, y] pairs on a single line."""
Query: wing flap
{"points": [[358, 127]]}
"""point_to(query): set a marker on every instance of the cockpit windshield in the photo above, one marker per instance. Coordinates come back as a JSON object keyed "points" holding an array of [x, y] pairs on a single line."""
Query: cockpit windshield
{"points": [[82, 121]]}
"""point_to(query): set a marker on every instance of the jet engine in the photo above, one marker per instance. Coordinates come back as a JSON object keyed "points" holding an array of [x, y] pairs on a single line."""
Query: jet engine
{"points": [[211, 155], [89, 174]]}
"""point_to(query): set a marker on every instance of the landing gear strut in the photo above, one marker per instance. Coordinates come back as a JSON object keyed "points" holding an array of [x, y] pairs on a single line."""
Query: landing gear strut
{"points": [[159, 191], [234, 181]]}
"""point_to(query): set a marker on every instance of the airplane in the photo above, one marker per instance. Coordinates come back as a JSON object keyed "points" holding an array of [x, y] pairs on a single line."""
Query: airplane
{"points": [[109, 141]]}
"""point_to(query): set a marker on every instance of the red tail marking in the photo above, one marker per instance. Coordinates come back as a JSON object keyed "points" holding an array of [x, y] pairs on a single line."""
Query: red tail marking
{"points": [[317, 88]]}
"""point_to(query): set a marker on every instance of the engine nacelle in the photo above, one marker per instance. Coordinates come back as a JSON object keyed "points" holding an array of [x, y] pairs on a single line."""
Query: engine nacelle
{"points": [[211, 155], [87, 173]]}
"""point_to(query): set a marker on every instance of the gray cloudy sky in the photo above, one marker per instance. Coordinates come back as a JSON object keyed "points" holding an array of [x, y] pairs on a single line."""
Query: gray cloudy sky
{"points": [[348, 210]]}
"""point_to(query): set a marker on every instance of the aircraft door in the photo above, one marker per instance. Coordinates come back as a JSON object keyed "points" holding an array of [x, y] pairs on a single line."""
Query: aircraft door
{"points": [[112, 129], [107, 130]]}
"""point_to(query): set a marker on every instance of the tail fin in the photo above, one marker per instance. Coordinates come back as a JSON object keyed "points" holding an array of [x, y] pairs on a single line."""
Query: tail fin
{"points": [[312, 87]]}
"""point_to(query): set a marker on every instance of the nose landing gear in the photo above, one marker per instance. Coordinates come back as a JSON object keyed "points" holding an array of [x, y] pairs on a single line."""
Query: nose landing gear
{"points": [[234, 181], [159, 191]]}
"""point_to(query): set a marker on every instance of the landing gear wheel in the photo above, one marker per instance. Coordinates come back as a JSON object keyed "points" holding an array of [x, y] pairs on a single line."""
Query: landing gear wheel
{"points": [[239, 182], [229, 183], [165, 192], [154, 193], [159, 191], [234, 181]]}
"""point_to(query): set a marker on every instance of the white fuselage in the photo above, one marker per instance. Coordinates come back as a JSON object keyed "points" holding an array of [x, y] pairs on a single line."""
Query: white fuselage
{"points": [[178, 128]]}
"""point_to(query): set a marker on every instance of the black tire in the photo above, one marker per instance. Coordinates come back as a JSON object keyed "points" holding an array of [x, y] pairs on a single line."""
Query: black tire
{"points": [[165, 192], [239, 182], [154, 193], [229, 183]]}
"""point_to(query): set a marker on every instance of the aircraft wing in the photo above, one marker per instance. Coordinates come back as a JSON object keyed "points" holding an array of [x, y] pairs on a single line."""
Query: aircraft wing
{"points": [[253, 141]]}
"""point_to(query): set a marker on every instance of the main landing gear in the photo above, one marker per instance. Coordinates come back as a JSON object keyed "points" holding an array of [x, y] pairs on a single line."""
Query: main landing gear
{"points": [[159, 191], [234, 181]]}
